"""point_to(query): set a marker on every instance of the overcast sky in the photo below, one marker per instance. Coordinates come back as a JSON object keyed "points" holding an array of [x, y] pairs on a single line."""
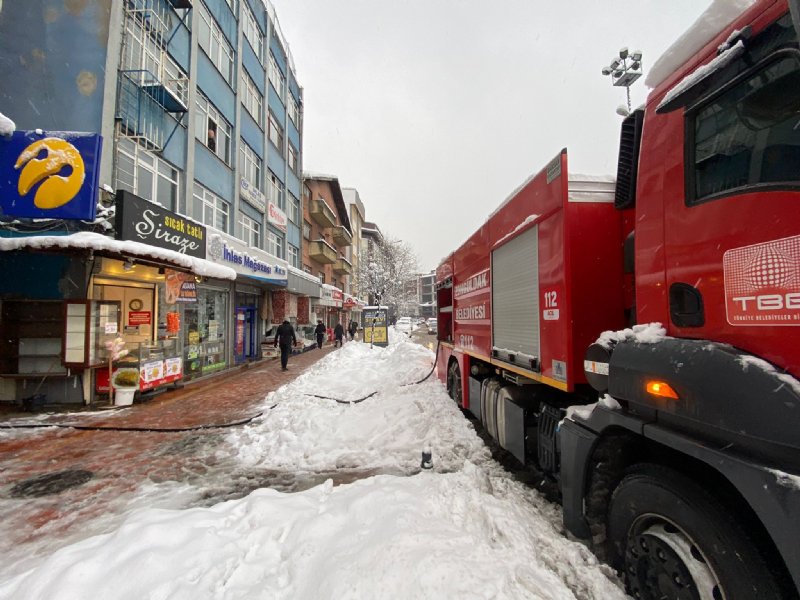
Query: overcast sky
{"points": [[435, 110]]}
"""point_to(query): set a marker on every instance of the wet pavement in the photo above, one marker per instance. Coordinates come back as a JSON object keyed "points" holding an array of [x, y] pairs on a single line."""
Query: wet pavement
{"points": [[59, 484]]}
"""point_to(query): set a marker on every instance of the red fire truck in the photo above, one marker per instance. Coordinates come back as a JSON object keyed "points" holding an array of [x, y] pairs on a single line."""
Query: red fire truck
{"points": [[674, 438]]}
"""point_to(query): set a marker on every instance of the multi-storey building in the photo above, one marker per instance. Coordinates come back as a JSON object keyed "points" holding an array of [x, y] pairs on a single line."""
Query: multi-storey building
{"points": [[328, 236], [355, 209], [426, 294], [201, 117]]}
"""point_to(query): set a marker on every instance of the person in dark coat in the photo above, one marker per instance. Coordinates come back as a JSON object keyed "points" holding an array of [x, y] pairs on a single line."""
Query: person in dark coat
{"points": [[286, 337], [338, 334], [320, 331], [351, 329]]}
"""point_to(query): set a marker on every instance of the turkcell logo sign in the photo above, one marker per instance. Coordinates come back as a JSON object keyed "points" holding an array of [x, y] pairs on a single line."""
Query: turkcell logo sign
{"points": [[49, 175]]}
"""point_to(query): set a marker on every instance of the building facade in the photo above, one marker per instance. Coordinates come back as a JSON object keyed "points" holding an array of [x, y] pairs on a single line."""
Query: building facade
{"points": [[355, 210], [328, 239], [426, 294], [201, 118]]}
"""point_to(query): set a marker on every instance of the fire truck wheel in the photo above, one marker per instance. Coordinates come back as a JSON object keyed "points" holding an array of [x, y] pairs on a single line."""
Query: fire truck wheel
{"points": [[454, 384], [671, 539]]}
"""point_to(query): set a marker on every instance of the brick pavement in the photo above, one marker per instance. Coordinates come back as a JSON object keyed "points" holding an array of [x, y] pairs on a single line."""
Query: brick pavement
{"points": [[112, 464]]}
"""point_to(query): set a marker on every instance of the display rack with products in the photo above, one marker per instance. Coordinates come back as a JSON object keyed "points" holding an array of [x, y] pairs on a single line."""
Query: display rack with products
{"points": [[159, 363]]}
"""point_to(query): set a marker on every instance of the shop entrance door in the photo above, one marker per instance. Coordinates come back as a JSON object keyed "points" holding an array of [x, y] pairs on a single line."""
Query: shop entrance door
{"points": [[245, 334]]}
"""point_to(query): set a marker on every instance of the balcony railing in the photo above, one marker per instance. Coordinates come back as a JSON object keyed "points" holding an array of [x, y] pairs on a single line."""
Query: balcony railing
{"points": [[342, 266], [322, 213], [341, 236], [322, 252]]}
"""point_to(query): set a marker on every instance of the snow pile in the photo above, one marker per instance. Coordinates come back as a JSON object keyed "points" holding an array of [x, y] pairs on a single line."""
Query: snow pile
{"points": [[717, 17], [719, 62], [385, 432], [650, 333], [786, 480], [96, 241], [459, 535], [466, 529], [525, 221], [7, 126], [748, 361], [584, 411]]}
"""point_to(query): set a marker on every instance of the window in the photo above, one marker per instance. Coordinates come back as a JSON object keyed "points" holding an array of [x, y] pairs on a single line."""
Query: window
{"points": [[250, 165], [307, 230], [146, 175], [252, 99], [747, 135], [209, 209], [251, 32], [213, 42], [307, 269], [294, 209], [292, 255], [232, 5], [275, 132], [275, 190], [274, 244], [250, 231], [293, 164], [321, 276], [294, 110], [212, 129], [275, 76]]}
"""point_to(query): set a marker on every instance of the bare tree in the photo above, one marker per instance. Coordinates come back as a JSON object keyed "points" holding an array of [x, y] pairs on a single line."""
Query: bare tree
{"points": [[388, 275]]}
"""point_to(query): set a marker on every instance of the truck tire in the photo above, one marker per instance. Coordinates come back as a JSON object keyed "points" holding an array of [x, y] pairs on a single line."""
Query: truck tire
{"points": [[671, 539], [454, 384]]}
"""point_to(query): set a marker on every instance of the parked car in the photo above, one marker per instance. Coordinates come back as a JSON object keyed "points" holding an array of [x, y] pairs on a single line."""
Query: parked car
{"points": [[433, 326], [404, 324]]}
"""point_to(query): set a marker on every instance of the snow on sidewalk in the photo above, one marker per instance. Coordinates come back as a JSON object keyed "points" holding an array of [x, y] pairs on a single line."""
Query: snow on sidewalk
{"points": [[464, 530]]}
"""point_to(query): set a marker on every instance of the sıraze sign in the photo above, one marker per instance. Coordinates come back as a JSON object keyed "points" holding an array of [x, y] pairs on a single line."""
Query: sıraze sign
{"points": [[49, 175], [138, 220]]}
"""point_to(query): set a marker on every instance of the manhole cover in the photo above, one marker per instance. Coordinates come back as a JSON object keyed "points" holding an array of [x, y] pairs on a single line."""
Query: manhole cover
{"points": [[50, 483]]}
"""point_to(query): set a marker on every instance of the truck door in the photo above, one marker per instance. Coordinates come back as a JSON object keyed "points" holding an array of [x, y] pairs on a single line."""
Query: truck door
{"points": [[732, 238]]}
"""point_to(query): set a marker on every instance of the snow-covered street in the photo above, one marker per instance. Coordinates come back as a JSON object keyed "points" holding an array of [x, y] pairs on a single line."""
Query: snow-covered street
{"points": [[377, 526]]}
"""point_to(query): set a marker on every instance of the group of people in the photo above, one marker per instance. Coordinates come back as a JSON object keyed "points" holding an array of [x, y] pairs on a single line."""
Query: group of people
{"points": [[286, 338]]}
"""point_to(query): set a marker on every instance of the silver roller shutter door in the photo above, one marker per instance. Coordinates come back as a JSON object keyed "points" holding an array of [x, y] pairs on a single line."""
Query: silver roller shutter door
{"points": [[515, 295]]}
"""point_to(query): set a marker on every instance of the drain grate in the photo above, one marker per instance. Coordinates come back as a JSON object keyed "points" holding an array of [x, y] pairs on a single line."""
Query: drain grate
{"points": [[50, 483]]}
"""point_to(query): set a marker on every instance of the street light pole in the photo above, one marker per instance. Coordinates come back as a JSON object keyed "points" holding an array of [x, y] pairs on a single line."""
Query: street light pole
{"points": [[624, 70]]}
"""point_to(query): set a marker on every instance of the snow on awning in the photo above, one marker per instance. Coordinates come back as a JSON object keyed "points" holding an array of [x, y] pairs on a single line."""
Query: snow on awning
{"points": [[87, 240]]}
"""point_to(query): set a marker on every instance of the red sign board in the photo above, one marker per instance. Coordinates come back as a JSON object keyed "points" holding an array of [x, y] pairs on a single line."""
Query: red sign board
{"points": [[139, 317]]}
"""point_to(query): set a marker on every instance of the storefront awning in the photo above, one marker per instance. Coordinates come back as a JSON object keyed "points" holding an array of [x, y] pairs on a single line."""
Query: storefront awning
{"points": [[106, 246], [303, 285]]}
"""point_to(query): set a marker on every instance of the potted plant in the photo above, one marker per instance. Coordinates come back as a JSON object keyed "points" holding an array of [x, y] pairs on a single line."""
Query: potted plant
{"points": [[125, 382]]}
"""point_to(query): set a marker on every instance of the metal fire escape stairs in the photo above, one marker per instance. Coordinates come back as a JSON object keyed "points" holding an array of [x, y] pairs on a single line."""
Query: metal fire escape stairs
{"points": [[152, 89]]}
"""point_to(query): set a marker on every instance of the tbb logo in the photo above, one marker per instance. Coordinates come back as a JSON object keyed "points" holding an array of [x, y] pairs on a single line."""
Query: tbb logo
{"points": [[762, 283]]}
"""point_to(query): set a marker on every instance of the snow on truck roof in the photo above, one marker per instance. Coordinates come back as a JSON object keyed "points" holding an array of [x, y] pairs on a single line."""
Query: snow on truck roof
{"points": [[709, 25], [575, 183]]}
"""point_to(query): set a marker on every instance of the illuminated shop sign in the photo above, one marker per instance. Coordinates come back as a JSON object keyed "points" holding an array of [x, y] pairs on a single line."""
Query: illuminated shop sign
{"points": [[49, 175], [141, 221], [245, 260]]}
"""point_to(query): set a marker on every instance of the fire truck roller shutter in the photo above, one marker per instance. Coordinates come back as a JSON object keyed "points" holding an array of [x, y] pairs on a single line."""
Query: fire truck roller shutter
{"points": [[515, 296]]}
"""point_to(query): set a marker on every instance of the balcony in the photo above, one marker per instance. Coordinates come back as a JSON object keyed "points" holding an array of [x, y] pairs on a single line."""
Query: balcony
{"points": [[322, 252], [322, 213], [343, 266], [341, 236]]}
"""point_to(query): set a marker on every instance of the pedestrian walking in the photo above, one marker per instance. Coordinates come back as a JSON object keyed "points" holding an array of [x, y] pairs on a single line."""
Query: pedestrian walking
{"points": [[352, 329], [338, 335], [320, 331], [286, 337]]}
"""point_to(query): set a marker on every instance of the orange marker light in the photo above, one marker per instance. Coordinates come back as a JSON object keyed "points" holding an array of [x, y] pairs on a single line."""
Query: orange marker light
{"points": [[661, 389]]}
